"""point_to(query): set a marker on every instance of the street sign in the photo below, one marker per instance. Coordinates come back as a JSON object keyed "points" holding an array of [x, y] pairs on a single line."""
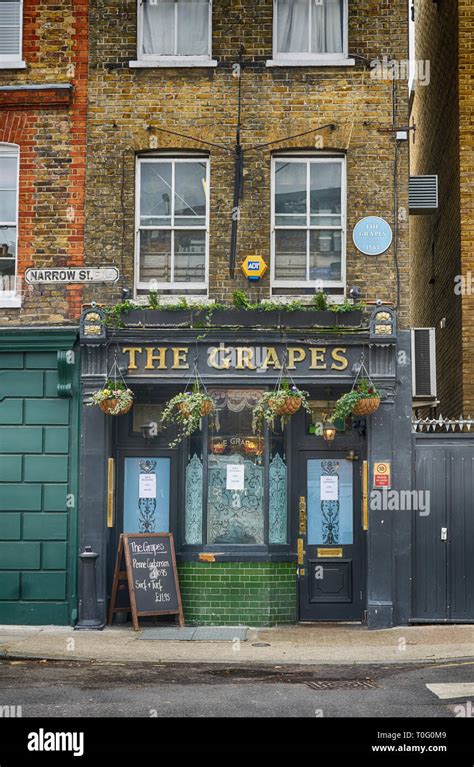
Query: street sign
{"points": [[254, 267], [382, 474], [65, 275], [372, 235]]}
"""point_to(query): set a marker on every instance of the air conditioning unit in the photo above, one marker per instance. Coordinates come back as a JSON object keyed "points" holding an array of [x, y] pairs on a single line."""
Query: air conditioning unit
{"points": [[423, 355], [423, 195]]}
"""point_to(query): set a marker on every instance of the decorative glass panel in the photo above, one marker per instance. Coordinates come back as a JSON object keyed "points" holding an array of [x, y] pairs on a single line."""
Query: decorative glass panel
{"points": [[330, 502], [277, 522], [193, 502], [146, 495]]}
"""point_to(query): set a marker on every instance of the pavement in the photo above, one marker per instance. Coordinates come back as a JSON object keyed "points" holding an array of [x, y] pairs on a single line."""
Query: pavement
{"points": [[321, 643]]}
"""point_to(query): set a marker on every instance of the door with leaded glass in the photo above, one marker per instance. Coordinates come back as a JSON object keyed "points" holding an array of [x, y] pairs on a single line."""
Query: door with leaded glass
{"points": [[331, 540]]}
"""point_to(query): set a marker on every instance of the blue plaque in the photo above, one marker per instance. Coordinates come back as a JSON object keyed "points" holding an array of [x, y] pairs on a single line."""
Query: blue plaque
{"points": [[372, 235]]}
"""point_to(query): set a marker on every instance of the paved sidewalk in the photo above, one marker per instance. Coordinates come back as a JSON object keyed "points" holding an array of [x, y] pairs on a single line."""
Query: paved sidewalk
{"points": [[303, 643]]}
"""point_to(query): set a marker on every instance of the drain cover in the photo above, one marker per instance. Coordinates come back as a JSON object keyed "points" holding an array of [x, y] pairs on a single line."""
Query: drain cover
{"points": [[342, 684]]}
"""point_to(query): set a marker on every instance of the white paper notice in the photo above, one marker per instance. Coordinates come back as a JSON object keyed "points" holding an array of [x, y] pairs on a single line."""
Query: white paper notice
{"points": [[147, 485], [235, 478], [329, 488]]}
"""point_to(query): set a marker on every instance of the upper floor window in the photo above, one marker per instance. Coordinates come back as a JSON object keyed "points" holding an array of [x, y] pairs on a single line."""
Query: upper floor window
{"points": [[308, 223], [9, 162], [172, 224], [11, 13], [310, 30], [174, 28]]}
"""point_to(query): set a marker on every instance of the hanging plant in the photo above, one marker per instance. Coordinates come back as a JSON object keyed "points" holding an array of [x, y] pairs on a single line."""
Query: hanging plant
{"points": [[362, 400], [284, 401], [187, 408], [114, 399]]}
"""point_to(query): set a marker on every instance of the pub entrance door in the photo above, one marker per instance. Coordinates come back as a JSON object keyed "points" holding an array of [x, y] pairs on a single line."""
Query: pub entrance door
{"points": [[331, 541]]}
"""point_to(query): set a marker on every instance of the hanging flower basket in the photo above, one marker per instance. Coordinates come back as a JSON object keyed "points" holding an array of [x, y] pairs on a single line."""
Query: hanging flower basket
{"points": [[362, 400], [114, 399], [283, 402], [187, 408]]}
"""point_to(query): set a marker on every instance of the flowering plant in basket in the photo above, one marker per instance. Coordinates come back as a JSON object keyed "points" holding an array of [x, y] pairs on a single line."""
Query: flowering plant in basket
{"points": [[284, 402], [186, 410], [362, 400], [114, 399]]}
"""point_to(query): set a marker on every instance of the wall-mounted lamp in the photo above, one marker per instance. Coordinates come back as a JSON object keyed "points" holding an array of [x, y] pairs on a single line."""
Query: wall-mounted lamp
{"points": [[329, 431]]}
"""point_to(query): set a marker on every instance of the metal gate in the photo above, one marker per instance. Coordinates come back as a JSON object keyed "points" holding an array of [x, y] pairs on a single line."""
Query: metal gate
{"points": [[443, 549]]}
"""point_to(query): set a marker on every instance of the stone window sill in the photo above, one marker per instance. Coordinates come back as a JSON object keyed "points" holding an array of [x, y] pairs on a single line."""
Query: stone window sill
{"points": [[172, 62], [10, 303], [12, 64], [343, 62]]}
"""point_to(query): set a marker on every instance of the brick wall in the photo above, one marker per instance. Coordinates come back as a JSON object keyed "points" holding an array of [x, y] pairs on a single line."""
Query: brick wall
{"points": [[276, 102], [49, 128], [238, 593]]}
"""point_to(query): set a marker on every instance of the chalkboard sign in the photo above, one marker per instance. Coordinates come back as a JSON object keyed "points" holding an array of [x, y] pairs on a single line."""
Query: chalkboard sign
{"points": [[145, 578]]}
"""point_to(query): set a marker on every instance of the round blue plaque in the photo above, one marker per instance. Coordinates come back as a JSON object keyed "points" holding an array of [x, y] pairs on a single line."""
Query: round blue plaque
{"points": [[372, 235]]}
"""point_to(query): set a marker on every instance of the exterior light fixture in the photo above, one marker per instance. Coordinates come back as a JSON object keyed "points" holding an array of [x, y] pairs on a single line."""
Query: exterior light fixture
{"points": [[329, 431]]}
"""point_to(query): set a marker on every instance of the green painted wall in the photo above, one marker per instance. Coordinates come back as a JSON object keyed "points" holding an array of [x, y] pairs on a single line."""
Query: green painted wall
{"points": [[38, 485], [238, 593]]}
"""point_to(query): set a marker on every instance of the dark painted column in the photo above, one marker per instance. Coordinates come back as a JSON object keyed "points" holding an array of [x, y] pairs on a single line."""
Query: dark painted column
{"points": [[95, 449]]}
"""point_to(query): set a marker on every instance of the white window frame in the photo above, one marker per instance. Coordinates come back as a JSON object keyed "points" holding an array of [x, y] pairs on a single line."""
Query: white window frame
{"points": [[176, 60], [11, 298], [311, 59], [182, 287], [310, 159], [15, 61]]}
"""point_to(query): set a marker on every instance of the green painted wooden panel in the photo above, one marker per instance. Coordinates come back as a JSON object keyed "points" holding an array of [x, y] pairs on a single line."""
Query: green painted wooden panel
{"points": [[10, 468], [51, 381], [56, 439], [47, 411], [41, 527], [54, 556], [54, 497], [34, 613], [41, 360], [10, 526], [10, 586], [11, 411], [21, 383], [45, 468], [19, 556], [20, 497], [43, 586], [14, 360], [23, 439]]}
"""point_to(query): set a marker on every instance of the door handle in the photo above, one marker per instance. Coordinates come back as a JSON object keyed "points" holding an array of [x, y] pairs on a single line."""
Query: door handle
{"points": [[303, 515], [444, 534]]}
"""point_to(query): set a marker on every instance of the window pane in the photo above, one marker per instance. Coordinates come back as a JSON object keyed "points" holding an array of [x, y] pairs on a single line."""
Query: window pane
{"points": [[155, 256], [8, 170], [290, 190], [193, 493], [235, 515], [325, 194], [158, 27], [7, 241], [155, 194], [325, 255], [193, 27], [190, 196], [7, 206], [277, 489], [290, 255], [330, 522], [189, 256], [327, 26], [292, 26], [10, 28]]}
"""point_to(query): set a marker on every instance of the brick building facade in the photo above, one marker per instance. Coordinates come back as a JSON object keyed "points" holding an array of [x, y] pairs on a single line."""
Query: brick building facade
{"points": [[441, 244]]}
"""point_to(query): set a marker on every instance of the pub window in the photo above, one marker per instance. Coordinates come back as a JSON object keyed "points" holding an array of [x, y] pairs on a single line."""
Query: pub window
{"points": [[310, 29], [174, 28], [308, 224], [11, 17], [9, 167], [172, 226], [236, 482]]}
